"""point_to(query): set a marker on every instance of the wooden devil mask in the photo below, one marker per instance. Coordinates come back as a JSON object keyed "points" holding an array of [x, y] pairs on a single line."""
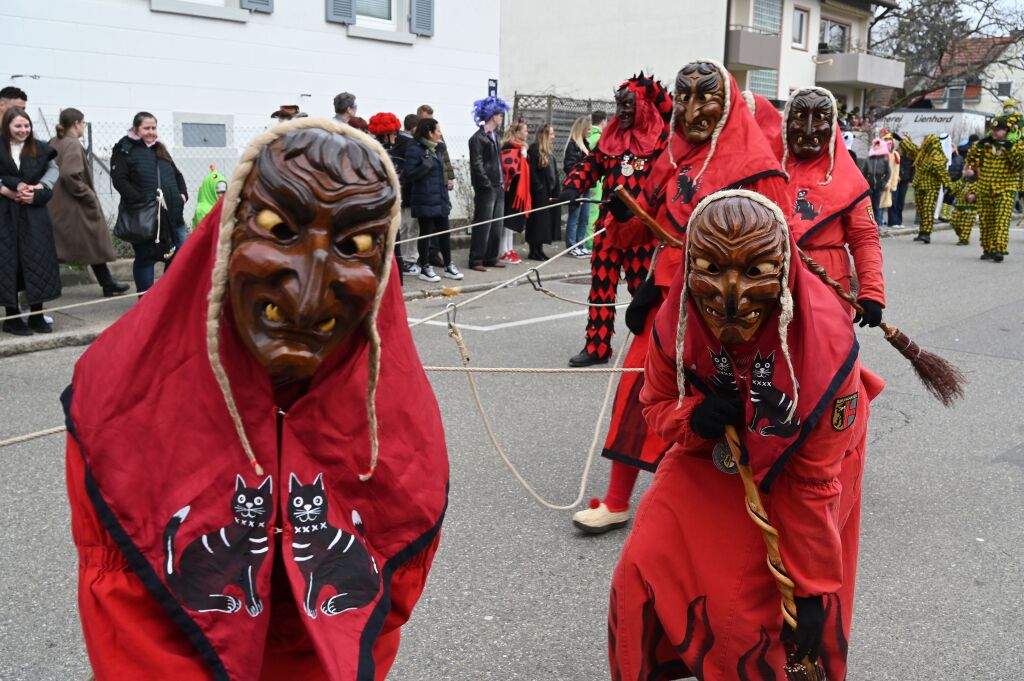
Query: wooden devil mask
{"points": [[309, 247], [735, 257], [809, 123], [699, 101]]}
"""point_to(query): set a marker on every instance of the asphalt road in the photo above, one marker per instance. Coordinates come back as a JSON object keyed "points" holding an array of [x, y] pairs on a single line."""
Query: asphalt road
{"points": [[517, 594]]}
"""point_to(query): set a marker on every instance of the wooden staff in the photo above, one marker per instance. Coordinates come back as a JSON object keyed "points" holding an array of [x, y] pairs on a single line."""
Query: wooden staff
{"points": [[796, 670], [940, 377], [645, 217]]}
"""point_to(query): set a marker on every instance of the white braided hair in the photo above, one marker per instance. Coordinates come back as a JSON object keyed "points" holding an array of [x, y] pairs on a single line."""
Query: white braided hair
{"points": [[831, 140], [727, 89], [785, 300], [219, 276]]}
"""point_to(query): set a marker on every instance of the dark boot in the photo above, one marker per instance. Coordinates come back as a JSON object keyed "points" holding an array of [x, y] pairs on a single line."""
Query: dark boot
{"points": [[997, 257], [919, 237], [985, 255], [115, 288], [16, 325], [585, 359], [926, 238], [37, 322]]}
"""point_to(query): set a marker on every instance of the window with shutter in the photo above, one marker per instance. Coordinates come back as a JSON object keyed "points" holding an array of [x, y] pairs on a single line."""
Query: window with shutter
{"points": [[266, 6], [341, 11], [421, 17]]}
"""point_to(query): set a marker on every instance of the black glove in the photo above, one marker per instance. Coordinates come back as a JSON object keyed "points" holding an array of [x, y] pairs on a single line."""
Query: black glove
{"points": [[619, 210], [568, 194], [810, 623], [896, 136], [710, 417], [645, 296], [872, 313]]}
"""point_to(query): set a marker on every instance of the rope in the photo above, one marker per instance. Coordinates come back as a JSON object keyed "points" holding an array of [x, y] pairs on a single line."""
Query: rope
{"points": [[536, 370], [504, 284], [112, 299], [485, 222], [32, 436], [456, 335], [464, 369], [533, 276]]}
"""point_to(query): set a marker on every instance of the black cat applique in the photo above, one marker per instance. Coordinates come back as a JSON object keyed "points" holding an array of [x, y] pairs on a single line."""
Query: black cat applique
{"points": [[685, 187], [229, 556], [724, 381], [328, 556], [804, 208], [769, 402]]}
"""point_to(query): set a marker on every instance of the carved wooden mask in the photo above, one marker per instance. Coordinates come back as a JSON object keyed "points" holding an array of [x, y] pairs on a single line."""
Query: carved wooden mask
{"points": [[625, 108], [700, 101], [308, 248], [809, 127], [735, 252]]}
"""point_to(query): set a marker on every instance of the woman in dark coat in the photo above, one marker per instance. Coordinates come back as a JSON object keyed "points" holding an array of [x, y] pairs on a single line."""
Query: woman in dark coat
{"points": [[140, 165], [545, 226], [28, 259], [79, 227], [428, 197]]}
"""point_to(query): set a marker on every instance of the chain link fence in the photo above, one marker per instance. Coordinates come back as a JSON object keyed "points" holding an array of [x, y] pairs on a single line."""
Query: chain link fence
{"points": [[198, 149], [559, 112]]}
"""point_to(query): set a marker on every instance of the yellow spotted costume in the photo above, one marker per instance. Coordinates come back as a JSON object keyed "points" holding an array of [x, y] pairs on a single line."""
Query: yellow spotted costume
{"points": [[999, 165], [931, 173], [965, 212]]}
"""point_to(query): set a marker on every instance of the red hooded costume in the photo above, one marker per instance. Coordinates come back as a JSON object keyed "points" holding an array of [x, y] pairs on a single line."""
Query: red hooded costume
{"points": [[832, 210], [692, 594], [737, 155], [193, 565]]}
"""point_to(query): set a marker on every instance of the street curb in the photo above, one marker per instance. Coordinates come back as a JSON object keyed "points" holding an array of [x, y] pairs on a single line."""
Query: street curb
{"points": [[904, 231], [66, 340]]}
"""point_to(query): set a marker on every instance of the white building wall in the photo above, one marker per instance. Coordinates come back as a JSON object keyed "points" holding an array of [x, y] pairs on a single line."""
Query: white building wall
{"points": [[796, 66], [585, 48], [111, 58]]}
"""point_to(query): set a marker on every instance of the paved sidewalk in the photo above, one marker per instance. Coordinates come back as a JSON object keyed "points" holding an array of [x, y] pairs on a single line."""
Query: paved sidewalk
{"points": [[81, 325]]}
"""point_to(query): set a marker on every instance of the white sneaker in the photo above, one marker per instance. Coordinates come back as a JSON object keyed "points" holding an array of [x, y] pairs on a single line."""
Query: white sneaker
{"points": [[427, 274], [452, 272], [410, 267], [578, 253], [599, 519]]}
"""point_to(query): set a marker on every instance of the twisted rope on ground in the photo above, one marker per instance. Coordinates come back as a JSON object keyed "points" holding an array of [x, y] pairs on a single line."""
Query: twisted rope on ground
{"points": [[536, 370], [61, 308], [460, 343], [484, 222], [31, 436], [504, 284], [533, 276]]}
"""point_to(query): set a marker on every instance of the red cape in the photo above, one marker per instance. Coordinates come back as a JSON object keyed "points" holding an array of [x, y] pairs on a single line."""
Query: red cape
{"points": [[824, 201], [823, 350], [156, 438], [770, 121]]}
